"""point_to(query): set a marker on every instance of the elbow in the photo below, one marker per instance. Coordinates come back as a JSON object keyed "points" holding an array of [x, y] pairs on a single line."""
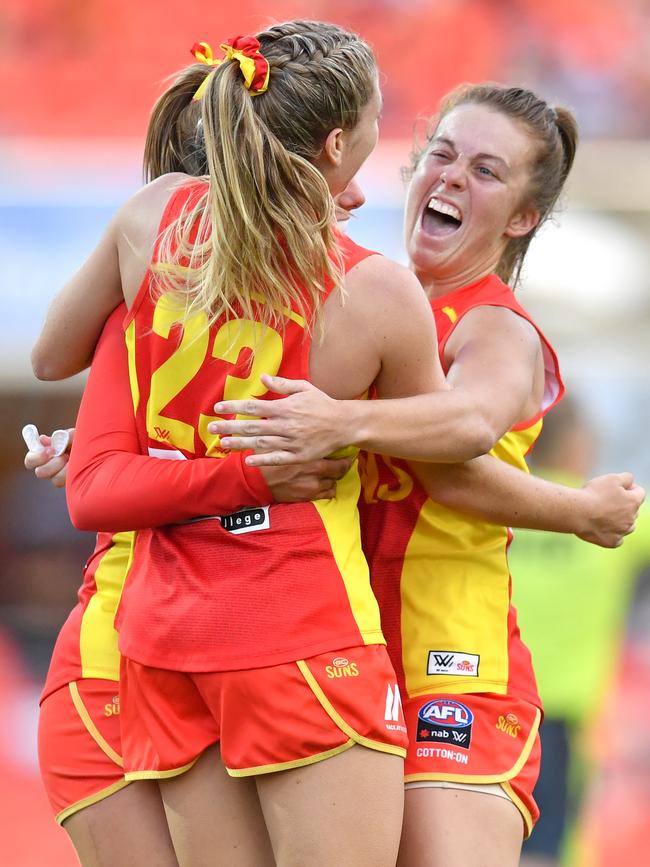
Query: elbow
{"points": [[49, 366], [81, 516], [482, 437], [45, 368]]}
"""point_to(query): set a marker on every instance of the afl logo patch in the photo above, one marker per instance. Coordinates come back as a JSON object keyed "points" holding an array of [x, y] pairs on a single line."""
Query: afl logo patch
{"points": [[445, 721]]}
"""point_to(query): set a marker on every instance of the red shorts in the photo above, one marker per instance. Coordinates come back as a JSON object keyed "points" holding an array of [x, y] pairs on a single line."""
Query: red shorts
{"points": [[483, 738], [79, 745], [265, 719]]}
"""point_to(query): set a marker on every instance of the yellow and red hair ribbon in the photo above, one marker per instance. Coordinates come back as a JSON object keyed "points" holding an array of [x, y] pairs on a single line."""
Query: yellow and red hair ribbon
{"points": [[246, 51]]}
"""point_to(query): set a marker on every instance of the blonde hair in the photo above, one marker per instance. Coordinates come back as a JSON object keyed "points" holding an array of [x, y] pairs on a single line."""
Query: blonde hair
{"points": [[263, 229]]}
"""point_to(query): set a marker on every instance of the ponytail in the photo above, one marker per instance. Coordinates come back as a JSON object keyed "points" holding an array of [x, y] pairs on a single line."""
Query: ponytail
{"points": [[174, 141], [260, 243]]}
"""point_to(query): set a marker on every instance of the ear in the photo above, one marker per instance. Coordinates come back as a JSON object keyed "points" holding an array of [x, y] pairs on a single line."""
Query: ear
{"points": [[333, 148], [522, 223]]}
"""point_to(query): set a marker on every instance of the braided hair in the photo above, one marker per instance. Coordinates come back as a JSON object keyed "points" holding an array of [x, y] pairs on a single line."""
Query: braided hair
{"points": [[265, 223]]}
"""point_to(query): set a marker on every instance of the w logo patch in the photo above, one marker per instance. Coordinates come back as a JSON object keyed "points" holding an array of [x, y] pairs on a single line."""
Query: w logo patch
{"points": [[161, 433]]}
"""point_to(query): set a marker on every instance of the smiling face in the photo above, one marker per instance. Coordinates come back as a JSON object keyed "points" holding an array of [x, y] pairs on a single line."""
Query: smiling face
{"points": [[466, 198]]}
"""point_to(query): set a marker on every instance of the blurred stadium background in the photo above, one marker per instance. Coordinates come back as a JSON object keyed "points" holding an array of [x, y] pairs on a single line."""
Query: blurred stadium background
{"points": [[77, 80]]}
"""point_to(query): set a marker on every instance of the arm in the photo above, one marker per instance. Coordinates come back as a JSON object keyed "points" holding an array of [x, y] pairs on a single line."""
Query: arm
{"points": [[111, 487], [111, 274], [493, 356], [602, 512], [77, 314]]}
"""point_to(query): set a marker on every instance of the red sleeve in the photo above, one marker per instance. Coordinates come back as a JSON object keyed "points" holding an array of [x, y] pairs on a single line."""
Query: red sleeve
{"points": [[111, 487]]}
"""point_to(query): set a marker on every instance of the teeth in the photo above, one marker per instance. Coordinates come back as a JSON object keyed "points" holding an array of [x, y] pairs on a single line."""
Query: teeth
{"points": [[443, 208]]}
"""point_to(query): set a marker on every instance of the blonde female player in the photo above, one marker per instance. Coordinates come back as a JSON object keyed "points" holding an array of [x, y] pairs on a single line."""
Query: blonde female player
{"points": [[109, 820], [490, 173], [230, 655]]}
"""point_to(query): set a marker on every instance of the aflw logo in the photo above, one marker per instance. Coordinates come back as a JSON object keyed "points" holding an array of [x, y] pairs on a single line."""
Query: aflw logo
{"points": [[454, 663], [161, 433]]}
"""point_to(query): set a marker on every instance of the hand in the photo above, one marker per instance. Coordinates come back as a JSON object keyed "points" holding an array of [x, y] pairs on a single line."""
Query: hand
{"points": [[46, 465], [306, 426], [615, 500], [300, 483]]}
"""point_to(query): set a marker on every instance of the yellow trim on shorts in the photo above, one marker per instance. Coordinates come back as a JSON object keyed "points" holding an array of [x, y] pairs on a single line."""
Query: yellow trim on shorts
{"points": [[89, 801], [486, 778], [91, 728], [295, 763], [338, 720], [162, 775], [519, 804]]}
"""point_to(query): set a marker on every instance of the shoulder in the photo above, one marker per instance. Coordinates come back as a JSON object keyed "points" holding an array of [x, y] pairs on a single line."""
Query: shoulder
{"points": [[496, 323], [151, 199], [137, 223], [384, 281]]}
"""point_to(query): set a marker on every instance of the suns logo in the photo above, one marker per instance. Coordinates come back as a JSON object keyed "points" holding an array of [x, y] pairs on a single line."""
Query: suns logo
{"points": [[341, 667], [112, 708], [509, 724]]}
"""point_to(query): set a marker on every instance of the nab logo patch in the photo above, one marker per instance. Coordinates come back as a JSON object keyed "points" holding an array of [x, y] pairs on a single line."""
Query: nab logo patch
{"points": [[453, 663], [445, 721], [161, 433]]}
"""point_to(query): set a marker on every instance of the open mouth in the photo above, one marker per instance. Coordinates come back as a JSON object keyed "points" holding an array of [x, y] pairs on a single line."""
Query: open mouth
{"points": [[440, 218]]}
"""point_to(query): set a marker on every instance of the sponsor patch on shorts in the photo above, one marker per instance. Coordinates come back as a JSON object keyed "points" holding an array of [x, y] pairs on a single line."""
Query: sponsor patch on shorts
{"points": [[394, 714], [453, 662], [445, 721]]}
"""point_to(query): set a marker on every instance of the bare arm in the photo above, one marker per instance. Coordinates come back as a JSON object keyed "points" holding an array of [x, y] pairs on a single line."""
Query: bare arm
{"points": [[112, 273], [439, 424], [77, 314], [602, 512]]}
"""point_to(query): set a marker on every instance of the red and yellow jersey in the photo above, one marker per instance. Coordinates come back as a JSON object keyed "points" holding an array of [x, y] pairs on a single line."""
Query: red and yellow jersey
{"points": [[108, 481], [262, 586], [87, 643], [441, 577]]}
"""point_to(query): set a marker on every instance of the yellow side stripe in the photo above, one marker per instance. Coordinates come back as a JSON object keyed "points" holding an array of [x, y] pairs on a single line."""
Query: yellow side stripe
{"points": [[336, 718], [92, 729], [295, 763], [519, 804], [161, 775], [129, 337]]}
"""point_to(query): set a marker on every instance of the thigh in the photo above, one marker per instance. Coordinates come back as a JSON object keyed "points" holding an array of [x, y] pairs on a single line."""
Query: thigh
{"points": [[128, 828], [215, 819], [476, 739], [460, 827], [344, 811]]}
